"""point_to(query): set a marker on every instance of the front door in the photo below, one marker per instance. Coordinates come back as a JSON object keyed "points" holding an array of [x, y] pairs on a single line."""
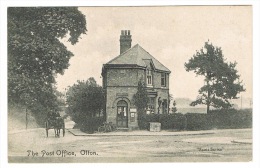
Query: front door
{"points": [[122, 114]]}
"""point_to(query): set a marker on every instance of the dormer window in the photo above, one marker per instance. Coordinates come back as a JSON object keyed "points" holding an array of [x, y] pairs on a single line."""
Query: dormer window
{"points": [[149, 78], [163, 79]]}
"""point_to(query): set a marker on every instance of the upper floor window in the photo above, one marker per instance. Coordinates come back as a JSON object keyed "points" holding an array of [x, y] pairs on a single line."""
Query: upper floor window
{"points": [[149, 78], [163, 79]]}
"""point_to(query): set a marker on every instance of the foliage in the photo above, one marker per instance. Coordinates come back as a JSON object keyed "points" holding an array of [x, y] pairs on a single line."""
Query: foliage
{"points": [[85, 99], [174, 108], [175, 121], [222, 80], [140, 100], [143, 123], [220, 119], [215, 119], [36, 55], [198, 121], [231, 118], [90, 125]]}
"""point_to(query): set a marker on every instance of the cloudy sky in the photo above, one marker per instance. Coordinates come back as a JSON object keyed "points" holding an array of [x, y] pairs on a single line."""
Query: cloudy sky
{"points": [[171, 34]]}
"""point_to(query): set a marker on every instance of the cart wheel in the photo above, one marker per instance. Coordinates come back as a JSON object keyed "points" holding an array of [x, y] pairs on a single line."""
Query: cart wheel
{"points": [[46, 127], [101, 129], [63, 130], [47, 132]]}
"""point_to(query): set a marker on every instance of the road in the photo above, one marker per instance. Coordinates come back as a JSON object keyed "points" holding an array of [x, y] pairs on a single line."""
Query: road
{"points": [[222, 146]]}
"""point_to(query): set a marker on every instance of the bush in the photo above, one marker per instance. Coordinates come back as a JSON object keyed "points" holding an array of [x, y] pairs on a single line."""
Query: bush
{"points": [[231, 118], [144, 120], [168, 121], [91, 124], [215, 119], [220, 119], [197, 121], [173, 121]]}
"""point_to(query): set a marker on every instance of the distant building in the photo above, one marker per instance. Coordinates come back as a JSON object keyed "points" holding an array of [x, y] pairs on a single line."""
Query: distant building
{"points": [[120, 80]]}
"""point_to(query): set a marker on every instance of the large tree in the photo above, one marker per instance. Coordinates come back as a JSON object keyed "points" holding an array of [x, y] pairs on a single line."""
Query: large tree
{"points": [[36, 54], [221, 77], [140, 100], [85, 99]]}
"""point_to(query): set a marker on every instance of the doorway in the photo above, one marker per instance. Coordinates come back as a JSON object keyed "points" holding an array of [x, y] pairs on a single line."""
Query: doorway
{"points": [[122, 114]]}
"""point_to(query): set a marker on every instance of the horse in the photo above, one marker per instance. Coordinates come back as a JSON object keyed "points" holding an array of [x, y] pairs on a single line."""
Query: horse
{"points": [[59, 124]]}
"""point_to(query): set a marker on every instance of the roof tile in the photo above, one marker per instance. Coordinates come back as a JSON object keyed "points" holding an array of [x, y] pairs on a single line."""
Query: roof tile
{"points": [[136, 56]]}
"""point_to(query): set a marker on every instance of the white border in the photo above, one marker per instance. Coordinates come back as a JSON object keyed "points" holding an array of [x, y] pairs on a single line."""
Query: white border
{"points": [[3, 75]]}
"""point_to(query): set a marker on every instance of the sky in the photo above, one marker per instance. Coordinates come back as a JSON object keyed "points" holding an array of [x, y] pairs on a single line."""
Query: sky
{"points": [[171, 34]]}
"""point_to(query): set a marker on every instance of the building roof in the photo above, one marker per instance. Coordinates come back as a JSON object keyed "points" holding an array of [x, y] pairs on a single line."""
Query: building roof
{"points": [[139, 57]]}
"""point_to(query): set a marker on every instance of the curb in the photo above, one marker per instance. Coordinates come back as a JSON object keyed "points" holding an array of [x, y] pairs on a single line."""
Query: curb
{"points": [[241, 142], [111, 134]]}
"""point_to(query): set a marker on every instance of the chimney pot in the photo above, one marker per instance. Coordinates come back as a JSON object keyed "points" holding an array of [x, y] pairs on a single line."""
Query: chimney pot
{"points": [[125, 40]]}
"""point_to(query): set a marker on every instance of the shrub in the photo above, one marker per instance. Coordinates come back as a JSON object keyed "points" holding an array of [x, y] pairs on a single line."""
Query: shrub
{"points": [[145, 119], [168, 121], [197, 121], [220, 119], [91, 124], [173, 121], [231, 118]]}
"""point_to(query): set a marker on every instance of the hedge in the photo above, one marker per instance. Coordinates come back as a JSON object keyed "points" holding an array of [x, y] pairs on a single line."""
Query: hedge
{"points": [[91, 124], [197, 121], [168, 121], [231, 118], [173, 121], [216, 119], [143, 120]]}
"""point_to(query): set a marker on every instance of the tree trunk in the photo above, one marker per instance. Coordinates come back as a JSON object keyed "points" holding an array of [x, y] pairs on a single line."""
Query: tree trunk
{"points": [[208, 99]]}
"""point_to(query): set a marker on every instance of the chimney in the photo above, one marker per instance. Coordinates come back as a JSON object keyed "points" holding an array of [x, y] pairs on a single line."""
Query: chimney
{"points": [[125, 40]]}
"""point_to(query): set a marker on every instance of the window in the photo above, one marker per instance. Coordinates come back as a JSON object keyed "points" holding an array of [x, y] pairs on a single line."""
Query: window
{"points": [[149, 78], [163, 79], [151, 105]]}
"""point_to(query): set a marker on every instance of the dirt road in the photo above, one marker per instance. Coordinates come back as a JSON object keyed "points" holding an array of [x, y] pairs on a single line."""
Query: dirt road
{"points": [[222, 146]]}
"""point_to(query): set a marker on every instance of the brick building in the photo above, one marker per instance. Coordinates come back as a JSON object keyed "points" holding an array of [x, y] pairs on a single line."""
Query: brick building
{"points": [[120, 80]]}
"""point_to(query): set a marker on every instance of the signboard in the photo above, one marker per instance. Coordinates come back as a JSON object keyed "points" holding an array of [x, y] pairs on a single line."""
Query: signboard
{"points": [[133, 110], [132, 117]]}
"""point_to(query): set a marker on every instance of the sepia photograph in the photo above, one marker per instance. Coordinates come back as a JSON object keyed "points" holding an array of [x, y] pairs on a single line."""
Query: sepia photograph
{"points": [[130, 84]]}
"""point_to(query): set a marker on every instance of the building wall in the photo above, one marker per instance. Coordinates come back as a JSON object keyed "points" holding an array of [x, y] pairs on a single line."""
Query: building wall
{"points": [[121, 84], [157, 80], [124, 77], [115, 94]]}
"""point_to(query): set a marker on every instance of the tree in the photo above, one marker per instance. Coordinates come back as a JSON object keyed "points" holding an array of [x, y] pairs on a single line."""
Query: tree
{"points": [[174, 108], [140, 100], [36, 54], [85, 99], [221, 78]]}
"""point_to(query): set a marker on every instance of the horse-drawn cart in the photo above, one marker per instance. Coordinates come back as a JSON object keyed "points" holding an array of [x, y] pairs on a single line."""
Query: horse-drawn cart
{"points": [[57, 124]]}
